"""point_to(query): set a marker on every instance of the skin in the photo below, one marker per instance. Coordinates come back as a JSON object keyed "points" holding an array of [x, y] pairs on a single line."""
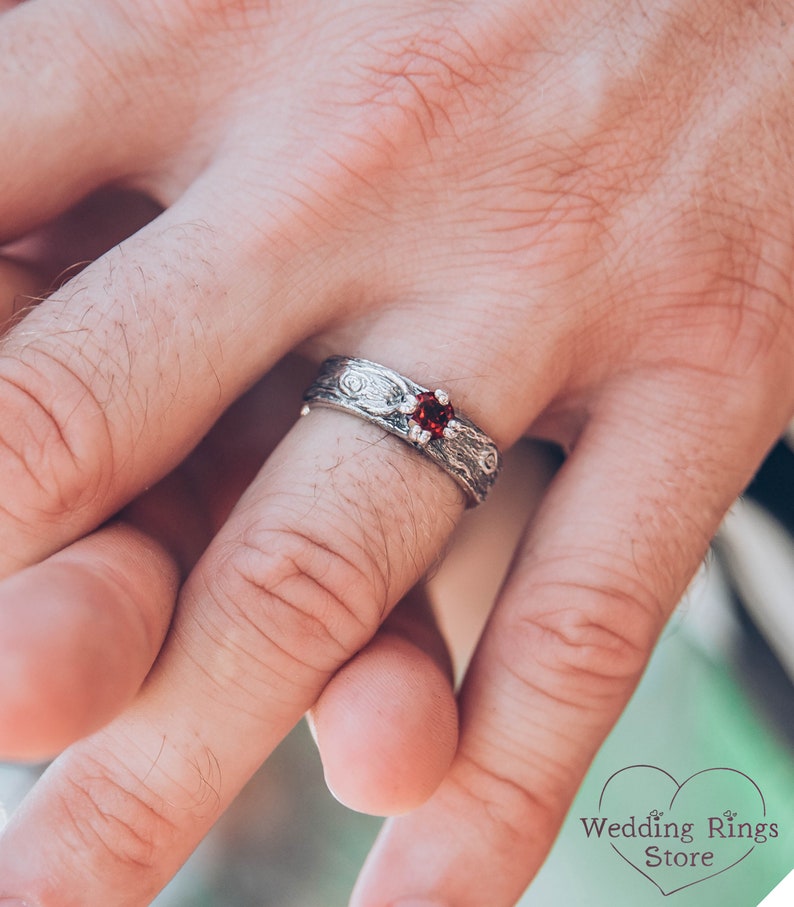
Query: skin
{"points": [[575, 217]]}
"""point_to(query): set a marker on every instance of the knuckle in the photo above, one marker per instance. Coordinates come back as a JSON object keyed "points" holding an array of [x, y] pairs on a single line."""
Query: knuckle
{"points": [[737, 269], [117, 824], [432, 78], [55, 440], [511, 808], [588, 645], [753, 285], [309, 605], [417, 81]]}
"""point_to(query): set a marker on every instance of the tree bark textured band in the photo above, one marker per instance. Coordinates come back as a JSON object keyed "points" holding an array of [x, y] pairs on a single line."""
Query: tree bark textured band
{"points": [[425, 419]]}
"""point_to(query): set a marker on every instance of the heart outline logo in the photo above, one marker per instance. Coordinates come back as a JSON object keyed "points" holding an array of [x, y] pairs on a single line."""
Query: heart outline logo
{"points": [[679, 787]]}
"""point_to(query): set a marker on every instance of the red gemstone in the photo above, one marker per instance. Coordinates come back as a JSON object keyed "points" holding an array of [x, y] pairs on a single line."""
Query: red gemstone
{"points": [[432, 416]]}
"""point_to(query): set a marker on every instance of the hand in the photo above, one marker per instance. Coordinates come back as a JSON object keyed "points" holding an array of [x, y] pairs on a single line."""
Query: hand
{"points": [[577, 221]]}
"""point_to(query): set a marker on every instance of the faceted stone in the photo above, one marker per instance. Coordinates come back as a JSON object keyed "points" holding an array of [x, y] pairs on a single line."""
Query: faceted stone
{"points": [[432, 416]]}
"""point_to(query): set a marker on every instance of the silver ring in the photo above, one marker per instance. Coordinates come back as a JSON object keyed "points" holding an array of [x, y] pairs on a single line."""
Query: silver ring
{"points": [[425, 419]]}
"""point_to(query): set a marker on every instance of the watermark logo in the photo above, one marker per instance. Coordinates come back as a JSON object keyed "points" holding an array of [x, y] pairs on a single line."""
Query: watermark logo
{"points": [[680, 834]]}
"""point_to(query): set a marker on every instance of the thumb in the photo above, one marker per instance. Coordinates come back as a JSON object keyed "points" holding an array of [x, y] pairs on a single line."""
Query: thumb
{"points": [[386, 724]]}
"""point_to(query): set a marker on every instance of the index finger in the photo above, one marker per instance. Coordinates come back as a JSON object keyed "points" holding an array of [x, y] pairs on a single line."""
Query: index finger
{"points": [[105, 386]]}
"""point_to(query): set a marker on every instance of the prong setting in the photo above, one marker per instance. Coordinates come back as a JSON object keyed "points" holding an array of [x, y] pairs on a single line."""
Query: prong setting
{"points": [[452, 428], [408, 406], [414, 413], [418, 435]]}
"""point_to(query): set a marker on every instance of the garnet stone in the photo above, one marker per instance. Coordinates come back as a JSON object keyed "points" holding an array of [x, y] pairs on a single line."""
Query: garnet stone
{"points": [[432, 415]]}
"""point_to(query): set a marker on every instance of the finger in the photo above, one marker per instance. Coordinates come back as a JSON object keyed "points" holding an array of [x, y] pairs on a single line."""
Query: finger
{"points": [[293, 587], [597, 576], [79, 634], [108, 384], [386, 724], [94, 614], [71, 122]]}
